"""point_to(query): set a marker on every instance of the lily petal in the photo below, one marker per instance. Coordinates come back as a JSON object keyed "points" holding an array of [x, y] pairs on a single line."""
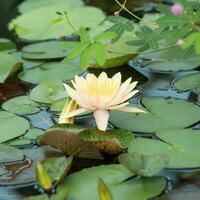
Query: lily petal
{"points": [[73, 113], [131, 110], [101, 118]]}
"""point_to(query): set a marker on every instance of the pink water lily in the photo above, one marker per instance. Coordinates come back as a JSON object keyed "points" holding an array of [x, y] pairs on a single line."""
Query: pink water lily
{"points": [[101, 94]]}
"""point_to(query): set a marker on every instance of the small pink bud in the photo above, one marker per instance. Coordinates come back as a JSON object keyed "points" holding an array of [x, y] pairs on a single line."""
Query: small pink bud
{"points": [[177, 9]]}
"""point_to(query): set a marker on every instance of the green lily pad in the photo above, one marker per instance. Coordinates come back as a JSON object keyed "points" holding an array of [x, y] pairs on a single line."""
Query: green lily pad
{"points": [[51, 70], [33, 133], [26, 139], [6, 45], [162, 114], [27, 63], [22, 105], [8, 65], [172, 60], [112, 142], [44, 50], [188, 82], [144, 165], [48, 91], [12, 126], [83, 185], [58, 105], [10, 154], [51, 24], [181, 147], [29, 5]]}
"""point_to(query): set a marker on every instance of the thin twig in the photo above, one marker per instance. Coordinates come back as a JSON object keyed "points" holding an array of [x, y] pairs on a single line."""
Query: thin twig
{"points": [[128, 11]]}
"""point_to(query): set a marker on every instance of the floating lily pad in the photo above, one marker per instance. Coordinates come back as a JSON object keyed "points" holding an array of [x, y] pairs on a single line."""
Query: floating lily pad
{"points": [[181, 147], [8, 65], [6, 45], [172, 60], [51, 24], [22, 105], [12, 126], [112, 142], [83, 185], [70, 144], [58, 105], [49, 71], [44, 50], [29, 5], [144, 165], [48, 91], [10, 154], [162, 114], [33, 133], [27, 63], [188, 82]]}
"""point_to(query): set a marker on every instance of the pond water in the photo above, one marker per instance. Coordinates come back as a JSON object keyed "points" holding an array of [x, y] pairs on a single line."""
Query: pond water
{"points": [[17, 180]]}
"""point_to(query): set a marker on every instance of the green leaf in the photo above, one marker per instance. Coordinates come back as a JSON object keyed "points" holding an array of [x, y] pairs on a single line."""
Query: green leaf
{"points": [[104, 36], [22, 105], [12, 126], [188, 82], [162, 114], [100, 53], [144, 165], [48, 91], [84, 35], [76, 52], [121, 25], [193, 39], [45, 50], [10, 154], [29, 5], [172, 60], [83, 185], [180, 145], [8, 65], [33, 133], [50, 70], [52, 25], [86, 57], [6, 45]]}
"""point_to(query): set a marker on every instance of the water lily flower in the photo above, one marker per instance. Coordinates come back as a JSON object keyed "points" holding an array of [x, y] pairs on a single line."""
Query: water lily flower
{"points": [[177, 9], [100, 95]]}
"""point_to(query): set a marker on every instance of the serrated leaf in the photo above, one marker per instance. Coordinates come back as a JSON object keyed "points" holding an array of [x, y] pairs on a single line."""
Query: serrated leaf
{"points": [[193, 39], [100, 53], [76, 52], [86, 57], [104, 36]]}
